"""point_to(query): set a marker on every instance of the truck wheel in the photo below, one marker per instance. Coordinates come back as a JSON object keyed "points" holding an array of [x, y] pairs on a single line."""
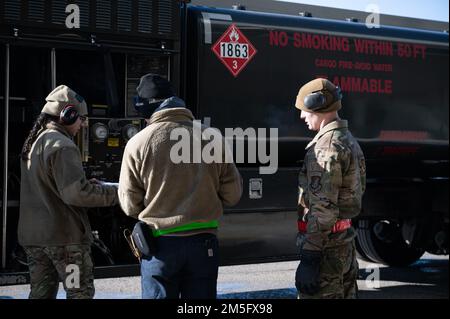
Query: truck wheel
{"points": [[360, 254], [382, 242]]}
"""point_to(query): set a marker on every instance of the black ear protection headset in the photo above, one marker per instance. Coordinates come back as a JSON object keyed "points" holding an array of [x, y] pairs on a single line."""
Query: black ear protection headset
{"points": [[146, 107], [69, 115], [317, 101]]}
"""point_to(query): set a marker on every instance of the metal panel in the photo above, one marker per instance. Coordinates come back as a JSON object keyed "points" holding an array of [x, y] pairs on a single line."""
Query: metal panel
{"points": [[124, 15], [85, 13], [12, 10], [5, 159], [157, 18], [145, 16], [58, 10], [103, 14], [36, 9], [165, 17]]}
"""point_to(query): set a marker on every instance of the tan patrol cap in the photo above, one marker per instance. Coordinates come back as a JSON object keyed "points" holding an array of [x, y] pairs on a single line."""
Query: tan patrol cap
{"points": [[326, 90], [61, 97]]}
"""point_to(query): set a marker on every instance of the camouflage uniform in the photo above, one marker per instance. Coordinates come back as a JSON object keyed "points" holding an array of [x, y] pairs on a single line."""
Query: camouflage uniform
{"points": [[54, 226], [71, 263], [331, 185]]}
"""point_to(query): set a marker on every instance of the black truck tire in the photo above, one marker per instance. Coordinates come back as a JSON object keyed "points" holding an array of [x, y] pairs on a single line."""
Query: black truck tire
{"points": [[360, 254], [392, 251]]}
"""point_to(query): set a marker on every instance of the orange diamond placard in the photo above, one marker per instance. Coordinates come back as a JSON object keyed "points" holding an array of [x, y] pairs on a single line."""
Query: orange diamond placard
{"points": [[234, 50]]}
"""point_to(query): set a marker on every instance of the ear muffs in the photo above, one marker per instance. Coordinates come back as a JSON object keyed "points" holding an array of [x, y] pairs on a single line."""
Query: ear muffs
{"points": [[69, 115], [317, 101], [145, 107]]}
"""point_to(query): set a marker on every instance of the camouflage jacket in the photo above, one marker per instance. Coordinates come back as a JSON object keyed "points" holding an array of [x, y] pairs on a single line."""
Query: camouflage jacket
{"points": [[331, 183]]}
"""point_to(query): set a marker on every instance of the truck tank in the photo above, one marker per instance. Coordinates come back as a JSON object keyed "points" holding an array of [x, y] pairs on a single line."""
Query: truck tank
{"points": [[243, 69]]}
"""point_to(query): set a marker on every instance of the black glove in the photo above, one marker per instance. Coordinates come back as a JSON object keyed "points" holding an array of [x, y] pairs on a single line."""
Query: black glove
{"points": [[307, 275]]}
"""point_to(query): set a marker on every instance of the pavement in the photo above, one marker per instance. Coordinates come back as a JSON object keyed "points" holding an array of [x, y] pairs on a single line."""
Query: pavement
{"points": [[425, 279]]}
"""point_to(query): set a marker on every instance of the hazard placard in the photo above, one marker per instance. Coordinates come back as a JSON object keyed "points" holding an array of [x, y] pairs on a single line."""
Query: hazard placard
{"points": [[234, 50]]}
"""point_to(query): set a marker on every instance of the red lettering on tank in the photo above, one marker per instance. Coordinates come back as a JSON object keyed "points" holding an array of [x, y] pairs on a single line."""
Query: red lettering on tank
{"points": [[403, 135], [373, 47], [415, 51], [363, 85], [277, 38], [321, 42]]}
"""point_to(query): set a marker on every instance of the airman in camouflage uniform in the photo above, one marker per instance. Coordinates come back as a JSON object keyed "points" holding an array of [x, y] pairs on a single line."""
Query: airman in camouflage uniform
{"points": [[54, 227], [331, 185]]}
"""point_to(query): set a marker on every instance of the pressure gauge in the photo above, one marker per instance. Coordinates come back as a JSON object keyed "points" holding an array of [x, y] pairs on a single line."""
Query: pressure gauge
{"points": [[100, 131], [129, 131]]}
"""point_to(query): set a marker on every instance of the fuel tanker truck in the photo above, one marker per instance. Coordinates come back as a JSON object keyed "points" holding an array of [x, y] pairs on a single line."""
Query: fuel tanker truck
{"points": [[239, 71]]}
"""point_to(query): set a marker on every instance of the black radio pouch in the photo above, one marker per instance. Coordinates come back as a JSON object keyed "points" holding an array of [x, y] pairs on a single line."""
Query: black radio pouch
{"points": [[143, 238]]}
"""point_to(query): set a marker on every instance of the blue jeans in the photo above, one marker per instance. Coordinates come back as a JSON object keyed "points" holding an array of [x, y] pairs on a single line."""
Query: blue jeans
{"points": [[183, 267]]}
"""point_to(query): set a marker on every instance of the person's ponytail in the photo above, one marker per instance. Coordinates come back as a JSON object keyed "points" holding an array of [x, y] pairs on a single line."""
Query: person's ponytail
{"points": [[38, 125]]}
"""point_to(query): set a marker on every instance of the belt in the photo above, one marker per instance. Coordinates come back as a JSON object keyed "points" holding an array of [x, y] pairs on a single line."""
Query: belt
{"points": [[339, 226], [186, 227]]}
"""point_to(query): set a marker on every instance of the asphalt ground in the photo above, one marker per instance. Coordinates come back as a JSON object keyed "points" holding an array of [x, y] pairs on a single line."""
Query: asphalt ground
{"points": [[425, 279]]}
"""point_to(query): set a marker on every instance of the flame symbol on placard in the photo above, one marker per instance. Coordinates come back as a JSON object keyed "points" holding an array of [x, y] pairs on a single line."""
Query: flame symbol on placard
{"points": [[234, 36]]}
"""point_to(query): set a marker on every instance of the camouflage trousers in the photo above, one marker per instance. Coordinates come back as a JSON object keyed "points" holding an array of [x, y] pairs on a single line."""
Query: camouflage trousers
{"points": [[72, 264], [338, 274]]}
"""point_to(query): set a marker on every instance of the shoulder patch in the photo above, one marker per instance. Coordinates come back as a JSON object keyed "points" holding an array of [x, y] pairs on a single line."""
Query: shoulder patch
{"points": [[315, 184]]}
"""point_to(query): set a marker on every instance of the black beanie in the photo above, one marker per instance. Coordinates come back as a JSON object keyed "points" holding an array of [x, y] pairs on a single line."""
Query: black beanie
{"points": [[153, 86]]}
